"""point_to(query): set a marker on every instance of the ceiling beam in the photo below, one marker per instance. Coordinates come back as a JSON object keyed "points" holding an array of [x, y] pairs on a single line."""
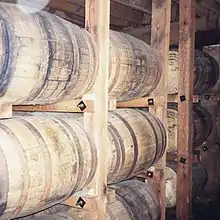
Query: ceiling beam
{"points": [[212, 5], [141, 6], [144, 32]]}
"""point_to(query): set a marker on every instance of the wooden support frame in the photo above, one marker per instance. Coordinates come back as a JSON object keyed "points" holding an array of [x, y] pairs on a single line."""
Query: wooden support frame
{"points": [[184, 142], [97, 22], [160, 38], [5, 111]]}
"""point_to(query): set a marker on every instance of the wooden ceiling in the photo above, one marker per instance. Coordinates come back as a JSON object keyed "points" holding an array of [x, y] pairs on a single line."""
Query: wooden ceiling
{"points": [[134, 16]]}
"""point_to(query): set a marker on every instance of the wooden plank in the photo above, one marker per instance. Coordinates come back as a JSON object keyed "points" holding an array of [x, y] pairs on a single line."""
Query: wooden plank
{"points": [[160, 38], [97, 23], [5, 111], [144, 102], [184, 141], [64, 106], [144, 33]]}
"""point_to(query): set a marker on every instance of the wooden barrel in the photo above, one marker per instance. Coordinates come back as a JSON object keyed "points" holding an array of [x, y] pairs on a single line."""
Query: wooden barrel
{"points": [[47, 157], [210, 160], [212, 107], [202, 126], [44, 159], [213, 50], [134, 200], [137, 199], [138, 141], [134, 69], [58, 60], [206, 72], [55, 58], [199, 179]]}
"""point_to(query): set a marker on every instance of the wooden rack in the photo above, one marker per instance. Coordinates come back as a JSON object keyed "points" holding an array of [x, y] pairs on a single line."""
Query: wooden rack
{"points": [[96, 105]]}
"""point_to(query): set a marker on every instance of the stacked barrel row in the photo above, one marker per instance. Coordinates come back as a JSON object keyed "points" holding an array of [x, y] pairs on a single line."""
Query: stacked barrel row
{"points": [[58, 60], [48, 157], [133, 200], [45, 157], [206, 151]]}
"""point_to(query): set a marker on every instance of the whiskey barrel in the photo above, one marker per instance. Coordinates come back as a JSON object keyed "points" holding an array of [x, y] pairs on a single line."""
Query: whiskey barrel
{"points": [[138, 141], [44, 159], [202, 126], [58, 60], [134, 68], [212, 107], [206, 72], [137, 199], [199, 179], [213, 50], [133, 200], [209, 157], [55, 58], [47, 157]]}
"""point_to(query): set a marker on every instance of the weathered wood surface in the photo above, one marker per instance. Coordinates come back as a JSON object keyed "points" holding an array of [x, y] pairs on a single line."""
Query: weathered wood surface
{"points": [[206, 72], [211, 105], [214, 51], [45, 59], [199, 180], [133, 200], [138, 200], [202, 126], [41, 172], [48, 59], [185, 115], [134, 67], [138, 141], [97, 19], [160, 38], [44, 159]]}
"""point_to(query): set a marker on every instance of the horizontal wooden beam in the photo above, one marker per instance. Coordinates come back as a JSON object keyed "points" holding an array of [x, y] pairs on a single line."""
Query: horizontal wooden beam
{"points": [[119, 12], [144, 32], [83, 105], [140, 5], [144, 102], [64, 106], [212, 5]]}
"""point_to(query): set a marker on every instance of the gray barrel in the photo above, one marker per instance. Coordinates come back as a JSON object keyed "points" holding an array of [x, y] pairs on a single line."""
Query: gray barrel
{"points": [[44, 58], [134, 68], [44, 159], [206, 72], [47, 157], [138, 141], [202, 126], [199, 180], [55, 60], [134, 200]]}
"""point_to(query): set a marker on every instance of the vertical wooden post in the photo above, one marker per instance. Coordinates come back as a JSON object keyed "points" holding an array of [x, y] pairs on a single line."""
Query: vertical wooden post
{"points": [[97, 23], [160, 38], [186, 71]]}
